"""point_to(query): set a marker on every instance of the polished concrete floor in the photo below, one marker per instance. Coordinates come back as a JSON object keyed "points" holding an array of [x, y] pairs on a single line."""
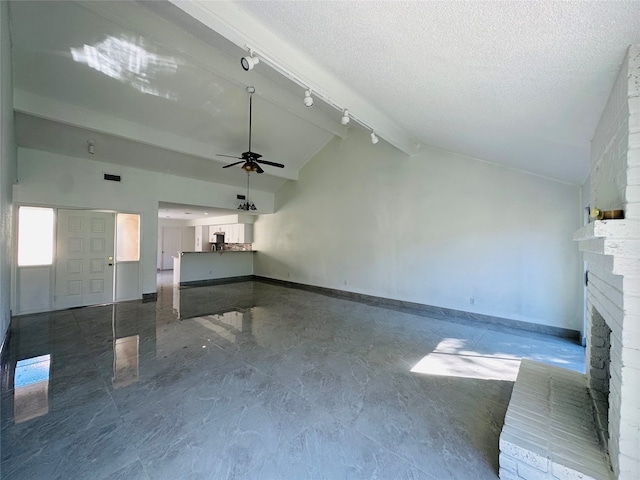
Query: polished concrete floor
{"points": [[256, 381]]}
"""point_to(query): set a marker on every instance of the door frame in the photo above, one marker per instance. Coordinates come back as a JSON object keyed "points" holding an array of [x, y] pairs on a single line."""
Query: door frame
{"points": [[52, 273]]}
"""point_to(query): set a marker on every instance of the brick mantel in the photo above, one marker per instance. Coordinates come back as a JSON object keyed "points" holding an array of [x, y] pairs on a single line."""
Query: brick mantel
{"points": [[611, 251], [612, 244]]}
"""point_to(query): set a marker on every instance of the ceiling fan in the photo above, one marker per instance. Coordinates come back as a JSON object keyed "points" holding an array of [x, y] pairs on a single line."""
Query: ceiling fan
{"points": [[249, 159]]}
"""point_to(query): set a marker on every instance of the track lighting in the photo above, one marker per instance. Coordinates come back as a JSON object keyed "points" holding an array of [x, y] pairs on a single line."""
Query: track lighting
{"points": [[308, 99], [345, 117], [249, 62]]}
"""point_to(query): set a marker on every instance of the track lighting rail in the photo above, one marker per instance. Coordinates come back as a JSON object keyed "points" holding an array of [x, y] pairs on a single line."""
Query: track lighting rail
{"points": [[256, 56]]}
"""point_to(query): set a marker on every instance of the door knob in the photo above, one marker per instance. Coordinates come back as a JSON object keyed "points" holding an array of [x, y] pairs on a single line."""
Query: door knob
{"points": [[110, 260]]}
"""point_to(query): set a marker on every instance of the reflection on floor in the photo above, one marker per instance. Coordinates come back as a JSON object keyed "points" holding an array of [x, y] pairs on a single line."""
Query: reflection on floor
{"points": [[261, 382]]}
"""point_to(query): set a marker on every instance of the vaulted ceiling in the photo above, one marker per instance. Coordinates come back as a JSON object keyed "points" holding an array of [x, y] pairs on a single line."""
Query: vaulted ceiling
{"points": [[158, 85]]}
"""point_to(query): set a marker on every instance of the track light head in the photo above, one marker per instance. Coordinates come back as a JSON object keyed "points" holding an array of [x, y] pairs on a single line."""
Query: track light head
{"points": [[345, 117], [308, 99], [249, 62], [374, 138]]}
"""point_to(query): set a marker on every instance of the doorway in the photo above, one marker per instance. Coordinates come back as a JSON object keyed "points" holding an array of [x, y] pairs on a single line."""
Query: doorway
{"points": [[69, 258], [170, 246]]}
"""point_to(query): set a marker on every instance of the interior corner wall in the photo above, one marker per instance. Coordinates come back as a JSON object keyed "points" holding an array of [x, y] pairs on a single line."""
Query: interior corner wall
{"points": [[61, 181], [437, 228], [7, 169]]}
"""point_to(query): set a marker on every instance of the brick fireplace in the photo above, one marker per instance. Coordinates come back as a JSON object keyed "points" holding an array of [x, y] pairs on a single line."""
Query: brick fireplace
{"points": [[611, 251]]}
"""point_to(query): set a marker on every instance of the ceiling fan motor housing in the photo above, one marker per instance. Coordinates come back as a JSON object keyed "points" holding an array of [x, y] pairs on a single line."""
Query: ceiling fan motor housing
{"points": [[251, 159]]}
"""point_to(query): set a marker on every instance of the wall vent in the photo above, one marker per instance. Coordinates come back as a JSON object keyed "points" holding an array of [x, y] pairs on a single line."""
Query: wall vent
{"points": [[112, 178]]}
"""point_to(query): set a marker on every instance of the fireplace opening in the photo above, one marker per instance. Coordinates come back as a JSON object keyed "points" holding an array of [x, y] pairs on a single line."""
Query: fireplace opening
{"points": [[599, 374]]}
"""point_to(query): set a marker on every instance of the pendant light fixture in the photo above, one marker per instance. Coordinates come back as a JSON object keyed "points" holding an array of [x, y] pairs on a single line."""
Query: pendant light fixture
{"points": [[247, 204]]}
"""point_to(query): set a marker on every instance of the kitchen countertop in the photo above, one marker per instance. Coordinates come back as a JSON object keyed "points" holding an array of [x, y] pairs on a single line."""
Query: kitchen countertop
{"points": [[223, 251]]}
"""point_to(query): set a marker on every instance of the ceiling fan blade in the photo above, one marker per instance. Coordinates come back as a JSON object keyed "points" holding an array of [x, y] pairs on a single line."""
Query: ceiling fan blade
{"points": [[259, 169], [232, 164], [273, 164], [229, 156]]}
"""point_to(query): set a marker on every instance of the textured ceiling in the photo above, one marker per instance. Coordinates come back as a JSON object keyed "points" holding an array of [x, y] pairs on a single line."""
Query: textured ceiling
{"points": [[521, 84], [177, 211], [518, 83]]}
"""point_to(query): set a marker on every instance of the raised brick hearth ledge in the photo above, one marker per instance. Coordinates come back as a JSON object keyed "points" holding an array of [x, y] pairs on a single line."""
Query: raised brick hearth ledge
{"points": [[550, 429]]}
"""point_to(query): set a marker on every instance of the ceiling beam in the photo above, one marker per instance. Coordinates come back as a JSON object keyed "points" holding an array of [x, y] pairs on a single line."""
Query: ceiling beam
{"points": [[235, 24], [65, 113]]}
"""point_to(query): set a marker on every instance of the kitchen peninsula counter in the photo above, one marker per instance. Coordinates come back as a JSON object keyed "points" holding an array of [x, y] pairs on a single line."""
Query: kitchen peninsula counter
{"points": [[193, 268]]}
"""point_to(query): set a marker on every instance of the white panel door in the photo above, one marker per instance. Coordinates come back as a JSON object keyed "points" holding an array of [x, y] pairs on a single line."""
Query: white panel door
{"points": [[171, 241], [84, 258]]}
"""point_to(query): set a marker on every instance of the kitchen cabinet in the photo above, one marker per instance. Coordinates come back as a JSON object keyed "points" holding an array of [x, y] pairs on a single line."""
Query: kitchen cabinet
{"points": [[233, 233], [241, 233], [213, 229]]}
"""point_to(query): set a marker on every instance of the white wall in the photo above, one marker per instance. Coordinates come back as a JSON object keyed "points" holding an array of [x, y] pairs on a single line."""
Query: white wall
{"points": [[48, 179], [7, 169], [437, 229]]}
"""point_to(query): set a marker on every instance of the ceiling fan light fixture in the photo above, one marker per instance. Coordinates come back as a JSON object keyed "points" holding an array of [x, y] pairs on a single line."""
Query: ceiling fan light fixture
{"points": [[374, 138], [248, 62], [345, 117], [308, 99], [247, 204]]}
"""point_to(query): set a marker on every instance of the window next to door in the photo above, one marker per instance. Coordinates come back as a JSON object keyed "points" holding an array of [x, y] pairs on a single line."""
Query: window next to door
{"points": [[35, 236]]}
